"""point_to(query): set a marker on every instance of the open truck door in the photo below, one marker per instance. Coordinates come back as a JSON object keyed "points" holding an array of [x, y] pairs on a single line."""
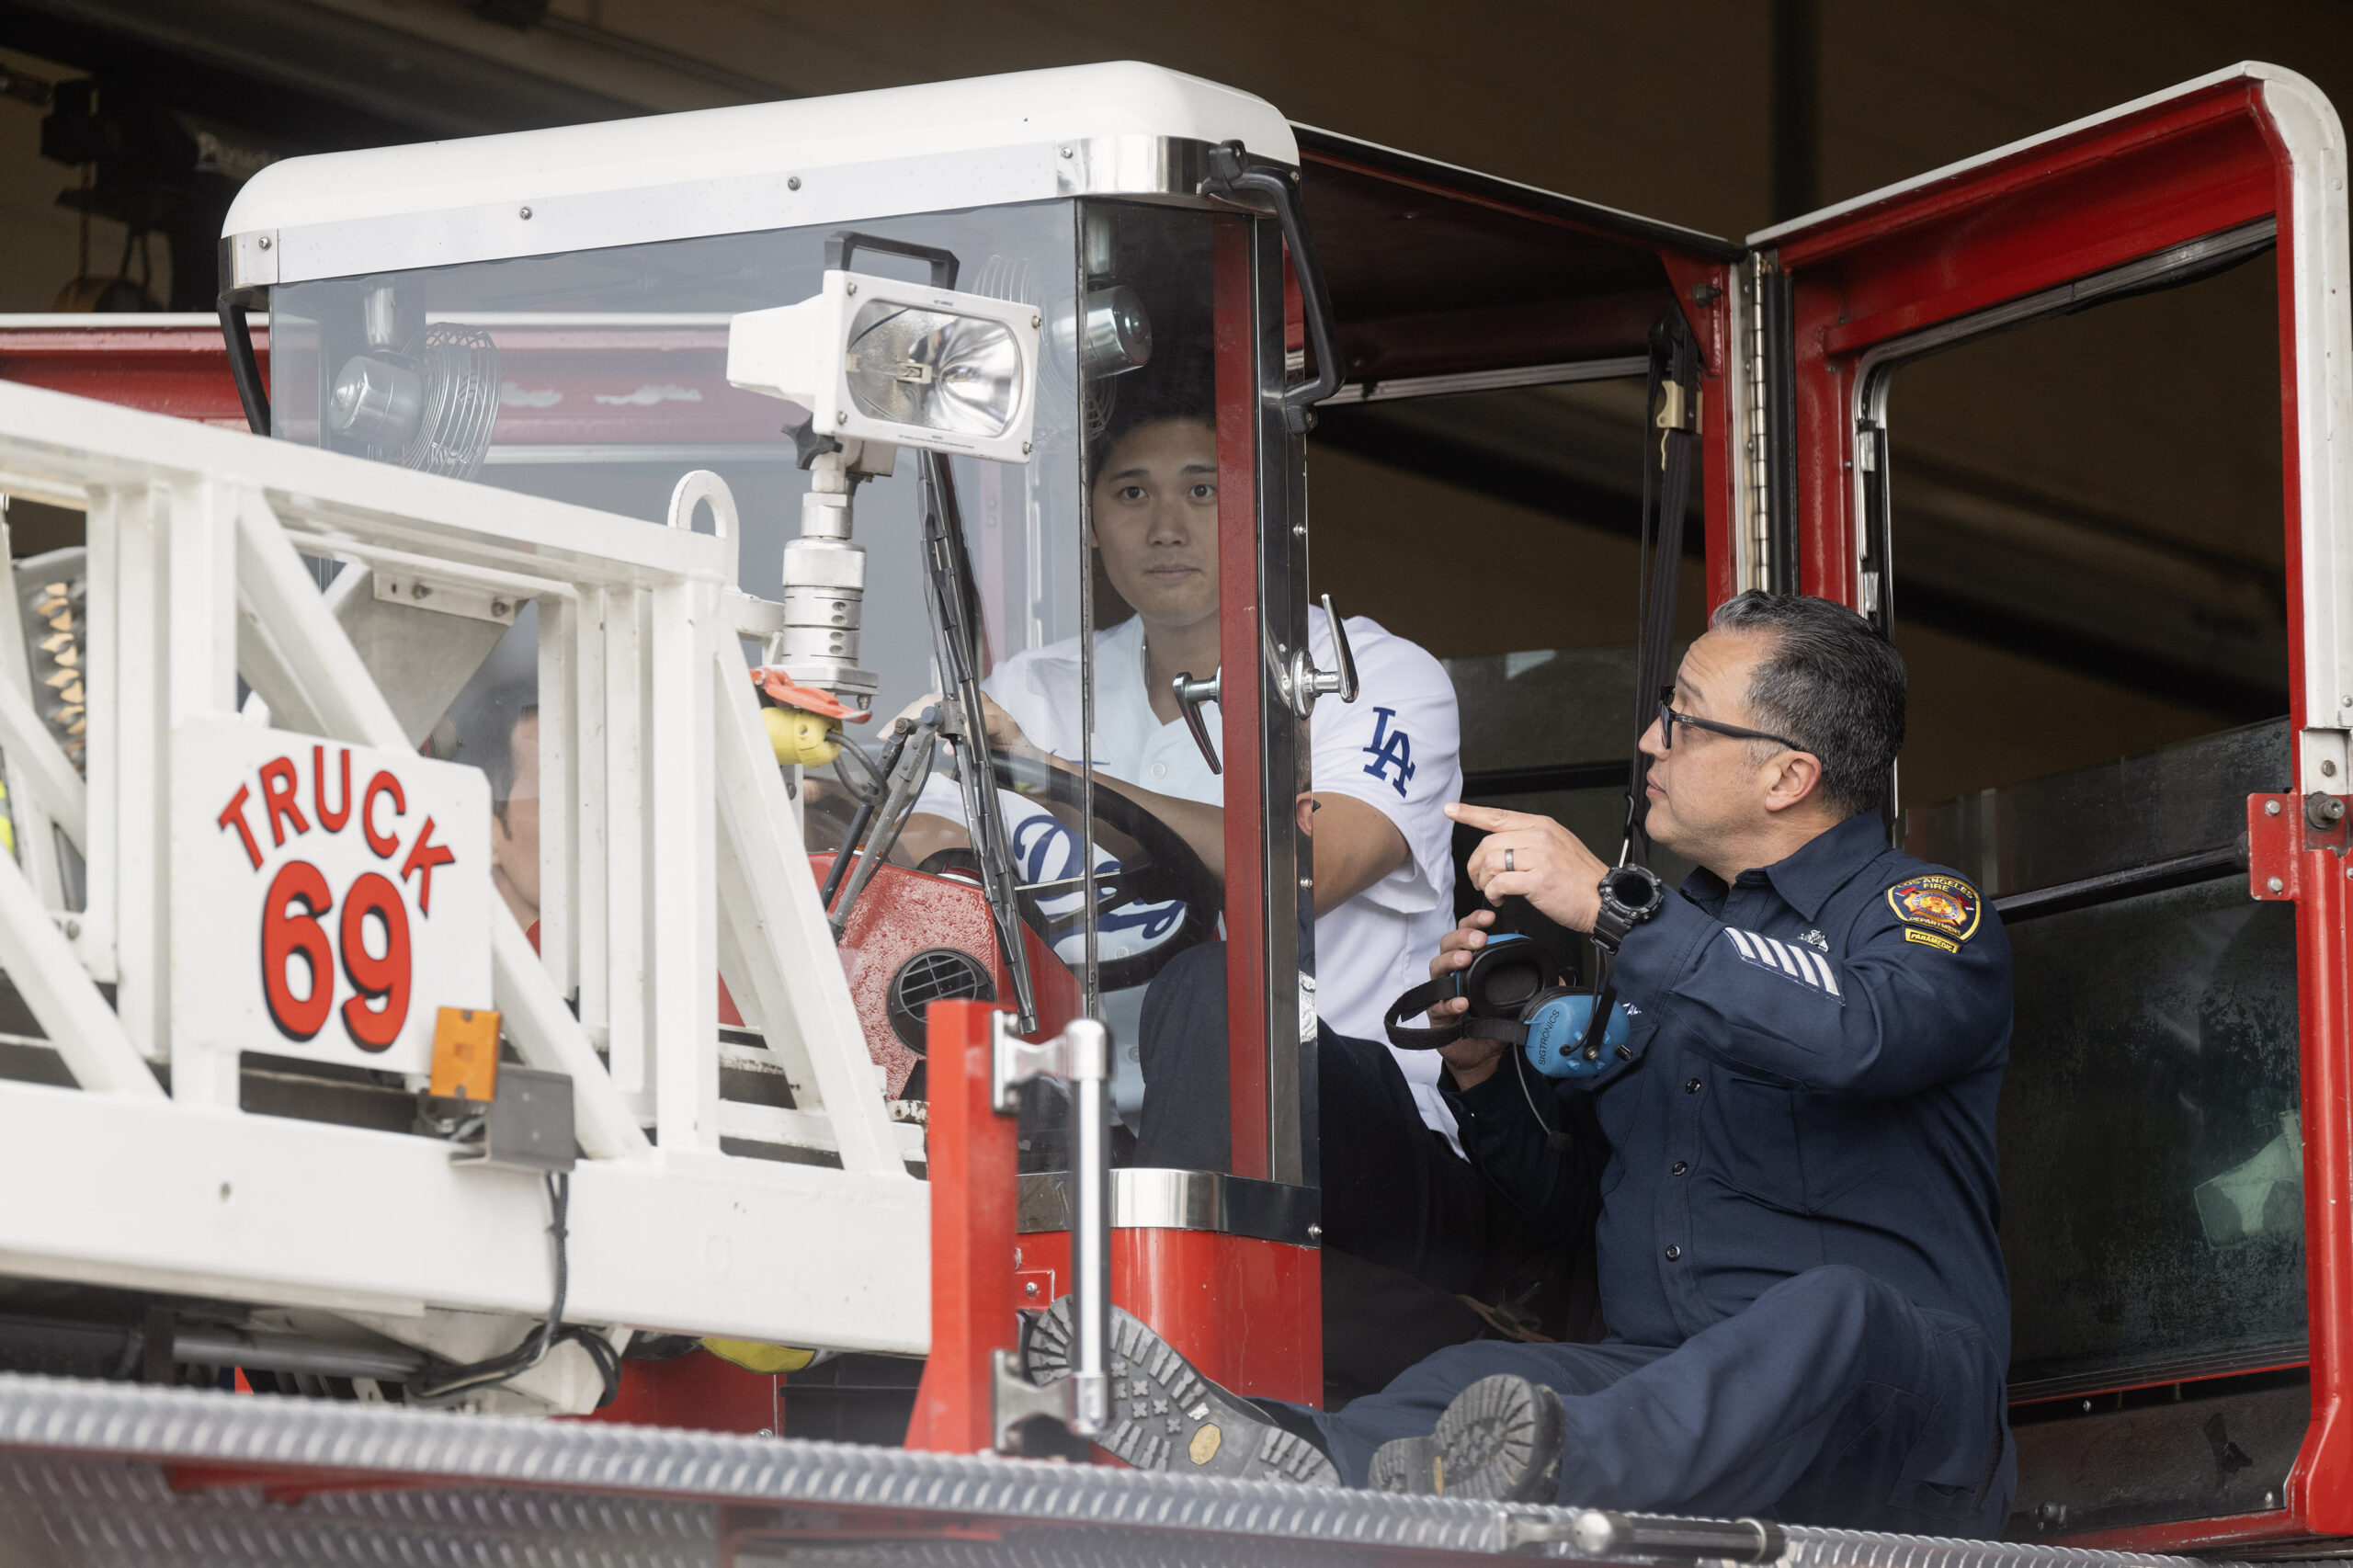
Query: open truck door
{"points": [[2175, 1135]]}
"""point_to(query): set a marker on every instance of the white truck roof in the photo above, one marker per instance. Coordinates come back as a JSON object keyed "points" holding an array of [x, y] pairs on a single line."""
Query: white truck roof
{"points": [[1030, 135]]}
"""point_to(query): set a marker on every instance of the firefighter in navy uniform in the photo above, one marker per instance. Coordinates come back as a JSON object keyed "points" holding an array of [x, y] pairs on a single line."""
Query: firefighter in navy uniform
{"points": [[1800, 1271]]}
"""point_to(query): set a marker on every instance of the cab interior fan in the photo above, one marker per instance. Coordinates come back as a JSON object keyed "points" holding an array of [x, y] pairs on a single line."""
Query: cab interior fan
{"points": [[429, 404]]}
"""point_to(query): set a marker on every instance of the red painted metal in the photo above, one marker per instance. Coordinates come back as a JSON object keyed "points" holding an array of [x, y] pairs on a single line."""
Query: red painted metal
{"points": [[761, 1530], [2312, 867], [1703, 289], [975, 1182], [2275, 844], [903, 913], [289, 1484], [2169, 172], [2193, 1535], [2175, 171], [566, 385], [699, 1392], [1240, 715], [2320, 1490], [180, 368], [1238, 1308]]}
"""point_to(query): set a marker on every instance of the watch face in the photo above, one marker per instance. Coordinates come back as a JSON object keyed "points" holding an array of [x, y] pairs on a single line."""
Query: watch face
{"points": [[1632, 890]]}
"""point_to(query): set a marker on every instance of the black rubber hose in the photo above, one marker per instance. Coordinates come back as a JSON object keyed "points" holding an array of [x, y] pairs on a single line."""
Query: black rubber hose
{"points": [[243, 366]]}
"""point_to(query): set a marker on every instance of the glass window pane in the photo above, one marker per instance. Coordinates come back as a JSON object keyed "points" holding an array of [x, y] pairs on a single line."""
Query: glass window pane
{"points": [[600, 377], [2152, 1158]]}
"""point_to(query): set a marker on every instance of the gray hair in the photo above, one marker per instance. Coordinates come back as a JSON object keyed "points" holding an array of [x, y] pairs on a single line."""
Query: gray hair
{"points": [[1831, 682]]}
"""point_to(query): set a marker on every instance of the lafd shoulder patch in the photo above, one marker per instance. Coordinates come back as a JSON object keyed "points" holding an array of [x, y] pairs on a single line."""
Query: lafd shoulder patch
{"points": [[1940, 904]]}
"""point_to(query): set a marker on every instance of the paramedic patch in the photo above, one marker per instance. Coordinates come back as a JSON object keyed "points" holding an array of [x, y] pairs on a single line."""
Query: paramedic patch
{"points": [[1943, 905]]}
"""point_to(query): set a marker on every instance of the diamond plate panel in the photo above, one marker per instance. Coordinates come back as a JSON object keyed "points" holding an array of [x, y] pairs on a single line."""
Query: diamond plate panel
{"points": [[83, 1485]]}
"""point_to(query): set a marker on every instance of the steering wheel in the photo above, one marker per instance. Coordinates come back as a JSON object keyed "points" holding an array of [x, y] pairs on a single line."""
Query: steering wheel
{"points": [[1162, 868]]}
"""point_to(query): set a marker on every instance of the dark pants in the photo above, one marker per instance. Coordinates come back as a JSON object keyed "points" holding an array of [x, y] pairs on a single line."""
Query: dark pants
{"points": [[1394, 1192], [1831, 1399], [1411, 1230]]}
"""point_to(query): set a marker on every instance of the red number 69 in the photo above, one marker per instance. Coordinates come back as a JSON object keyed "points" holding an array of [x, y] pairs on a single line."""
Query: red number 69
{"points": [[298, 899]]}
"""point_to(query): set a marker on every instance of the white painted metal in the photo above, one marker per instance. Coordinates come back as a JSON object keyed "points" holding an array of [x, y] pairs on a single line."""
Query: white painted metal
{"points": [[72, 1012], [781, 929], [45, 792], [2314, 229], [662, 815], [559, 792], [153, 1196], [624, 971], [41, 776], [1029, 136], [137, 517], [199, 681]]}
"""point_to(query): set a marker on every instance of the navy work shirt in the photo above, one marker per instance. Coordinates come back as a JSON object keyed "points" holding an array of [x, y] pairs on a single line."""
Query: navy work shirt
{"points": [[1816, 1053]]}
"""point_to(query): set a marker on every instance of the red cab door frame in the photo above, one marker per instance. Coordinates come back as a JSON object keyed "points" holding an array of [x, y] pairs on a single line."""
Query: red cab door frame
{"points": [[2235, 154]]}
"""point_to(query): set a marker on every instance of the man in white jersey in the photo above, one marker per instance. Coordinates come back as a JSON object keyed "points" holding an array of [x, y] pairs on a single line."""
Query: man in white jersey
{"points": [[1384, 767], [1409, 1226]]}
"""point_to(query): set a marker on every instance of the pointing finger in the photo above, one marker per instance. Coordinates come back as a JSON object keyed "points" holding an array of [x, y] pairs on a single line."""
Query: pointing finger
{"points": [[1489, 817]]}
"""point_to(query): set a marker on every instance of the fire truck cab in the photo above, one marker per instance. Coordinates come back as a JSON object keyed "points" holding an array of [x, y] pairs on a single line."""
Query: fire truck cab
{"points": [[642, 506]]}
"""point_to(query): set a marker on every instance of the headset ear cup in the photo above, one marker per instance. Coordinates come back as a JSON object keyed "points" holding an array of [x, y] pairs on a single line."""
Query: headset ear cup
{"points": [[1550, 1037], [1556, 1027]]}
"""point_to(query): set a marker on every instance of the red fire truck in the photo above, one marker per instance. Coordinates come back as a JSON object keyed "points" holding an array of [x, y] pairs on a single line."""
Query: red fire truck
{"points": [[583, 472]]}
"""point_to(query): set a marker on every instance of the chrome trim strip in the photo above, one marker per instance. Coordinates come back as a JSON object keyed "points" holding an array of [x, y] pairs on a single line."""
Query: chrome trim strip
{"points": [[1156, 169], [1554, 375], [1153, 1199]]}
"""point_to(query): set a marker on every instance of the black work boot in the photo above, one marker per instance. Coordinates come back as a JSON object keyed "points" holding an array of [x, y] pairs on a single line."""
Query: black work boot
{"points": [[1500, 1438], [1165, 1415]]}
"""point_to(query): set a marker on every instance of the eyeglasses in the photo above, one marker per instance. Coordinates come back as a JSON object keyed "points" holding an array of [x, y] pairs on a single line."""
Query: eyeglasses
{"points": [[1668, 718]]}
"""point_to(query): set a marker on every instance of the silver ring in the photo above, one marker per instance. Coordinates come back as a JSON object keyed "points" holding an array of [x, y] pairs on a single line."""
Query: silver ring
{"points": [[1507, 865]]}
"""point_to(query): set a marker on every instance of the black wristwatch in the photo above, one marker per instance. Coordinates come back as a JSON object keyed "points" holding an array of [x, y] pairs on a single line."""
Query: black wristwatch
{"points": [[1629, 895]]}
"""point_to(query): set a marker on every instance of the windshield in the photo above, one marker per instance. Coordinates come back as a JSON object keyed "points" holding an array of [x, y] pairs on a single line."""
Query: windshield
{"points": [[601, 378], [1068, 586]]}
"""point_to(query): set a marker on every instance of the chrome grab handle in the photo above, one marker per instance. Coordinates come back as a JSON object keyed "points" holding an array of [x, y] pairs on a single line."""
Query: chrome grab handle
{"points": [[1080, 1056], [1190, 695], [1308, 683]]}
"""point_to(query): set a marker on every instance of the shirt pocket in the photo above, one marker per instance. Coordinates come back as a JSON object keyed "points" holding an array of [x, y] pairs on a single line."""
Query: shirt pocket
{"points": [[1839, 1144], [1762, 1156]]}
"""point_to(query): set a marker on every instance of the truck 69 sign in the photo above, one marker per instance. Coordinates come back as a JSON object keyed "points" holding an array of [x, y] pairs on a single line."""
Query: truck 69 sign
{"points": [[328, 900]]}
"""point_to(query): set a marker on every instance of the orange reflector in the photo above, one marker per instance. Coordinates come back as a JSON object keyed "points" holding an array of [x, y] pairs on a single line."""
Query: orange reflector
{"points": [[465, 1054]]}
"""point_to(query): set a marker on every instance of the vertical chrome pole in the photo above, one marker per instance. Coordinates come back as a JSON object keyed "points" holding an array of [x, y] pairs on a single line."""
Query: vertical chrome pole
{"points": [[1090, 1239]]}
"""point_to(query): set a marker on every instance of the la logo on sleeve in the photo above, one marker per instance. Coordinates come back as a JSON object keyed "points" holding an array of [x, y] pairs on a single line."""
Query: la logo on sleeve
{"points": [[1390, 748]]}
